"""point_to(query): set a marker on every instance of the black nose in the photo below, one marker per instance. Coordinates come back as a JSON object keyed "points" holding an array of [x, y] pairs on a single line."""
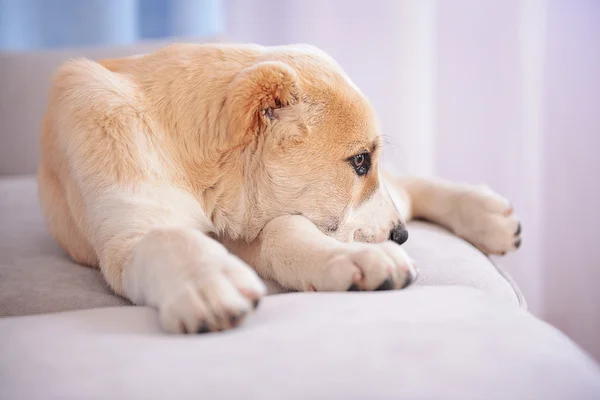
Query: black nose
{"points": [[399, 234]]}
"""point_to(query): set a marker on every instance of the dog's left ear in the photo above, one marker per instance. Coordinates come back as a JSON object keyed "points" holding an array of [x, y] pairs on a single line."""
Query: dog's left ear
{"points": [[257, 97]]}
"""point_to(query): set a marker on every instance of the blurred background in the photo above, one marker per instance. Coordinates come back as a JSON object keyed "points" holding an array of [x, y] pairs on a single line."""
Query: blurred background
{"points": [[503, 92]]}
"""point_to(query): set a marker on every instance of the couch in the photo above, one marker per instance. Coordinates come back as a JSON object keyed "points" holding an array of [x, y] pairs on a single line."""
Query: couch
{"points": [[461, 332]]}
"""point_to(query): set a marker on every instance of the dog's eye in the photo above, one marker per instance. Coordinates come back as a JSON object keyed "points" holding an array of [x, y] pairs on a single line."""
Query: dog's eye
{"points": [[361, 163]]}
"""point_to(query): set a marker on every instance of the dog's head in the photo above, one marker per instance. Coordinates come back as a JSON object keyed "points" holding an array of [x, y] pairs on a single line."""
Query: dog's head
{"points": [[312, 147]]}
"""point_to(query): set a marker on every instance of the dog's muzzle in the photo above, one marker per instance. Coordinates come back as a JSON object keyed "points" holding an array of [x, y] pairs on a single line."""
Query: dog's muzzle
{"points": [[399, 234]]}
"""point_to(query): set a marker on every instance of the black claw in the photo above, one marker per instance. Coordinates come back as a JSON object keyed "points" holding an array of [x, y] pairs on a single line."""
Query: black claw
{"points": [[388, 284], [518, 243], [518, 230], [255, 303], [203, 328], [411, 279], [235, 319], [354, 288]]}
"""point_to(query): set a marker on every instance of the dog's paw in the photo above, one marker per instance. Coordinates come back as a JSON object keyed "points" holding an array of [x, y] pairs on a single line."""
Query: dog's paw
{"points": [[366, 266], [219, 296], [486, 220]]}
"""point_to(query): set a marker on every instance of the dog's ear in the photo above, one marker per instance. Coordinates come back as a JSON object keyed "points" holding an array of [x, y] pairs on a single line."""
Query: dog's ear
{"points": [[259, 96]]}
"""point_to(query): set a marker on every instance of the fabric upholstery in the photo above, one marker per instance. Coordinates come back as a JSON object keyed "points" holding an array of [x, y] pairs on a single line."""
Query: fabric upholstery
{"points": [[428, 342]]}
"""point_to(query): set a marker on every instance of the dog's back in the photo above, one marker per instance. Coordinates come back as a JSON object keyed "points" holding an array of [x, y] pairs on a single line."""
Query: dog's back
{"points": [[105, 125]]}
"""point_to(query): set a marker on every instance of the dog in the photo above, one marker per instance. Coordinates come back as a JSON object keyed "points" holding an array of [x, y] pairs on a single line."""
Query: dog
{"points": [[187, 173]]}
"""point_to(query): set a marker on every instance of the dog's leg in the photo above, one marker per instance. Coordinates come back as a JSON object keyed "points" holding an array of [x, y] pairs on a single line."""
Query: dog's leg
{"points": [[152, 250], [475, 213], [147, 236], [294, 252]]}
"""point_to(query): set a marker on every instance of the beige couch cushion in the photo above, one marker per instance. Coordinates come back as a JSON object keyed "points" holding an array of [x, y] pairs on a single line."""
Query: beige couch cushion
{"points": [[36, 277]]}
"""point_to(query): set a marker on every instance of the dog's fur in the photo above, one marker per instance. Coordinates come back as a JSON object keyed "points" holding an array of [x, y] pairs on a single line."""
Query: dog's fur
{"points": [[156, 168]]}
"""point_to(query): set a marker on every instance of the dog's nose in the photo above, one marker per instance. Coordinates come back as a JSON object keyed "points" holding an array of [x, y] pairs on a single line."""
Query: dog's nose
{"points": [[399, 234]]}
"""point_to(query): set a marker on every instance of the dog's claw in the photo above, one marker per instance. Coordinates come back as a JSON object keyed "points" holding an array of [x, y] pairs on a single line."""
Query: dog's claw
{"points": [[203, 328], [518, 232], [353, 288], [412, 277], [235, 319], [388, 284], [255, 303], [518, 243]]}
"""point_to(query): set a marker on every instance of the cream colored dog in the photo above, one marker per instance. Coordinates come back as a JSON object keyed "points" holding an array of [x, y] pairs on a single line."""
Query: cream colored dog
{"points": [[159, 168]]}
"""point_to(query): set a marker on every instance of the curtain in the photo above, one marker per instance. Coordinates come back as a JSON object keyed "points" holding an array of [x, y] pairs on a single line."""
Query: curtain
{"points": [[498, 92], [36, 24]]}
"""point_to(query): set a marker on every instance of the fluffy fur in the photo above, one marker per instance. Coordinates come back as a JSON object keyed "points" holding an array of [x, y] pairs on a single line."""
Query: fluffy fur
{"points": [[176, 171]]}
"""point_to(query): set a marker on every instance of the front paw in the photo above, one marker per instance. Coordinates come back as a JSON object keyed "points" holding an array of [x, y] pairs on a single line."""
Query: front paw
{"points": [[365, 266], [218, 295], [486, 220]]}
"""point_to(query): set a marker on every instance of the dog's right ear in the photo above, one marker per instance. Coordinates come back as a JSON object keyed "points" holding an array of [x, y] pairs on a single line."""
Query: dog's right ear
{"points": [[257, 95]]}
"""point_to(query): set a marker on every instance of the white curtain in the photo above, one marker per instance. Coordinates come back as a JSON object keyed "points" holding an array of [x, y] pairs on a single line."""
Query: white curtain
{"points": [[502, 92]]}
